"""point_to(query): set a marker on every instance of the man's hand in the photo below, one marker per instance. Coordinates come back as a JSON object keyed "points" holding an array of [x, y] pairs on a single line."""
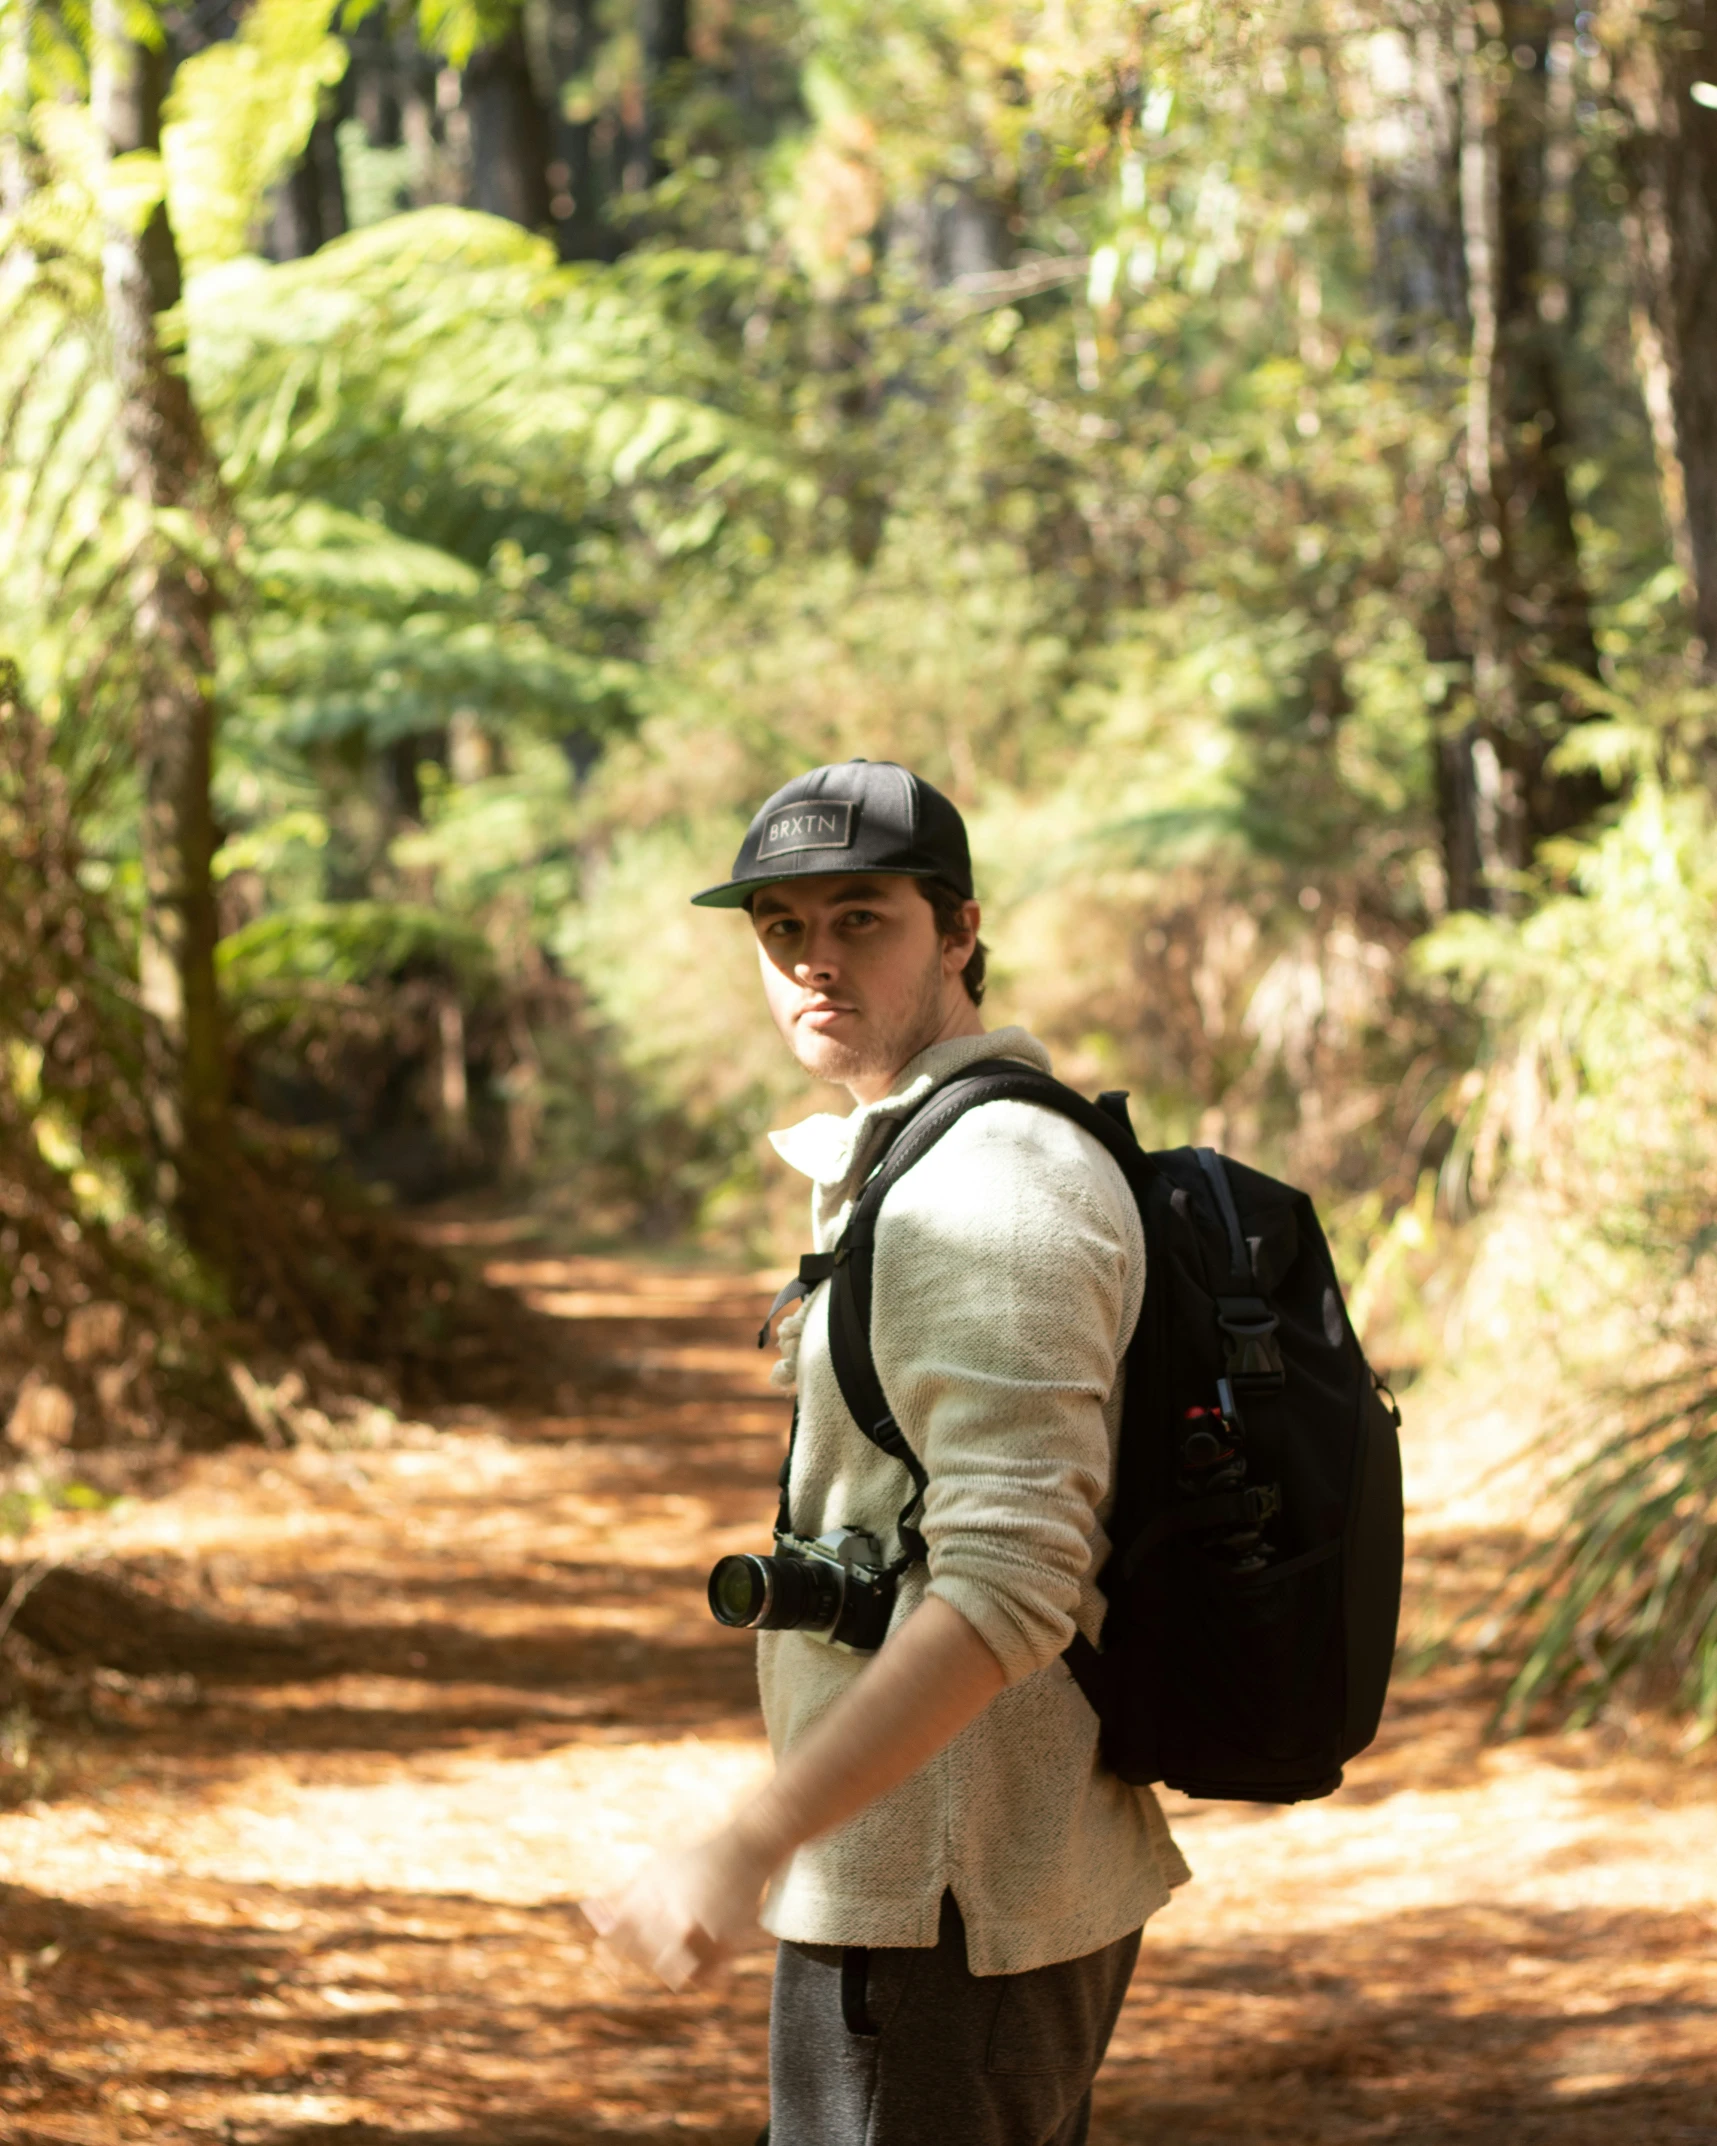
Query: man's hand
{"points": [[686, 1911], [933, 1675]]}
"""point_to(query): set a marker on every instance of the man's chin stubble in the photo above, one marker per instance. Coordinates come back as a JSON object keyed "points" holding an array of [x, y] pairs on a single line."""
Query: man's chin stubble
{"points": [[825, 1059]]}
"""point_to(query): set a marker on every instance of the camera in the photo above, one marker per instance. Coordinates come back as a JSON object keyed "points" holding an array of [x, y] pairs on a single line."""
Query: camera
{"points": [[835, 1589]]}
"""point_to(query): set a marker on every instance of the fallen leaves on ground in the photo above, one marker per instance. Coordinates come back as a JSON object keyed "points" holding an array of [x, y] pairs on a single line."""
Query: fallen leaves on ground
{"points": [[340, 1910]]}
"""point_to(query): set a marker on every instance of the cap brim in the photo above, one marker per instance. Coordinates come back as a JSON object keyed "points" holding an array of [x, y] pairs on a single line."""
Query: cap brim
{"points": [[730, 896], [733, 893]]}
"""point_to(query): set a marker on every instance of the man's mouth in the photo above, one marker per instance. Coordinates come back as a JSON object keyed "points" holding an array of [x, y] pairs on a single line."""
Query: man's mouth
{"points": [[823, 1015]]}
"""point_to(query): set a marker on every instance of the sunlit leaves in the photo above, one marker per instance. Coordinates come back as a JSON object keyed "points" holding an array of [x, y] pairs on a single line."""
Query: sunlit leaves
{"points": [[238, 117], [66, 535], [457, 338]]}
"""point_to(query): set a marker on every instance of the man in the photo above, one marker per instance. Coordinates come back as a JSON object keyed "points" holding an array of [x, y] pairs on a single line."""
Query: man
{"points": [[958, 1885]]}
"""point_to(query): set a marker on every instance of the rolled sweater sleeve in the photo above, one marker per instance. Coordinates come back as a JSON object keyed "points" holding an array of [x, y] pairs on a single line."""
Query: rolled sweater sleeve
{"points": [[1007, 1277]]}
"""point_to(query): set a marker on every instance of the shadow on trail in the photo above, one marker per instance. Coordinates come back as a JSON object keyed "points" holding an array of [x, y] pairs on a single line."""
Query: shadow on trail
{"points": [[477, 2023], [465, 2019], [1481, 2026], [1645, 2114], [548, 2129], [541, 1690], [89, 1616]]}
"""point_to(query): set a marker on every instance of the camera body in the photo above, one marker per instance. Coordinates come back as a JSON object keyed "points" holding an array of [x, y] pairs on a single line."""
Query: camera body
{"points": [[836, 1588]]}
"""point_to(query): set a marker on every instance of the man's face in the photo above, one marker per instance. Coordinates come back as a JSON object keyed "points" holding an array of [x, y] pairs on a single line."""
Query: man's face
{"points": [[857, 976]]}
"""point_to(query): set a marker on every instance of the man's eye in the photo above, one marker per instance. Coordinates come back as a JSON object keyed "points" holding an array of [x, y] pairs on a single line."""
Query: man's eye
{"points": [[860, 916]]}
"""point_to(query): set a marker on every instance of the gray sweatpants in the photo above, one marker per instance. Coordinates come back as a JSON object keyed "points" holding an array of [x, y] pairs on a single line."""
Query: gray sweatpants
{"points": [[905, 2046]]}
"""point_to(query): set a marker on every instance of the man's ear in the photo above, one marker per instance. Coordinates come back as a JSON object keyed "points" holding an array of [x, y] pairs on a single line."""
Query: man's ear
{"points": [[964, 939]]}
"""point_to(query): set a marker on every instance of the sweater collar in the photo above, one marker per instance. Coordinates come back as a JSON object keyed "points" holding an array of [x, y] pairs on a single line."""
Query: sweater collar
{"points": [[833, 1151]]}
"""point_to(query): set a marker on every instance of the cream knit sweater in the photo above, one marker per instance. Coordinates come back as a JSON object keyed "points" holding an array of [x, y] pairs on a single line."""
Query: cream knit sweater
{"points": [[1008, 1279]]}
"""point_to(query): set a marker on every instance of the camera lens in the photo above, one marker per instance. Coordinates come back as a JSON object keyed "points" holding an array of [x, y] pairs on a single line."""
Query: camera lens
{"points": [[807, 1595], [776, 1594], [739, 1590]]}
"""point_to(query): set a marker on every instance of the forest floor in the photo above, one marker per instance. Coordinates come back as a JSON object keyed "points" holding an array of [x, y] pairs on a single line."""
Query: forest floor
{"points": [[341, 1911]]}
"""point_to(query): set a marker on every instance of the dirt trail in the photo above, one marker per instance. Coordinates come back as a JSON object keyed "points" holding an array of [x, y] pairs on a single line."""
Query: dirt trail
{"points": [[338, 1911]]}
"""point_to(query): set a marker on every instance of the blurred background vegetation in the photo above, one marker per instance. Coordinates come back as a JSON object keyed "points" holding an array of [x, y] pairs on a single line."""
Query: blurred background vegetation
{"points": [[457, 460]]}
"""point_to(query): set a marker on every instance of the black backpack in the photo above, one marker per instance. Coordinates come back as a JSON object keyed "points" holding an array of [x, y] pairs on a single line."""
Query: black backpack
{"points": [[1254, 1578]]}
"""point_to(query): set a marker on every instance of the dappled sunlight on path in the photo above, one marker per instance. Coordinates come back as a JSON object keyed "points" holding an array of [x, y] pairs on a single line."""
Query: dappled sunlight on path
{"points": [[338, 1909]]}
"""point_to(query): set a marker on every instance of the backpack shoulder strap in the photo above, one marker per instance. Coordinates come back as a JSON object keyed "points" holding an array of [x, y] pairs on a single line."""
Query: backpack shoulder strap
{"points": [[989, 1080]]}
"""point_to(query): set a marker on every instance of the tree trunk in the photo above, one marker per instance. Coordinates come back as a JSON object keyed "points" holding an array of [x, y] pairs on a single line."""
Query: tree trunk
{"points": [[164, 463], [582, 174], [1429, 201], [509, 139], [451, 1087], [1549, 602], [600, 153], [1666, 53], [664, 41], [1526, 609], [310, 204], [1494, 825]]}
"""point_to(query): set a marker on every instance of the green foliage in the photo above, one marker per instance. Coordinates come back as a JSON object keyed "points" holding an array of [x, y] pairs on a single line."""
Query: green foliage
{"points": [[87, 1267], [1625, 1606], [459, 27], [1600, 1003], [1598, 1114], [1071, 403], [67, 537], [335, 944], [435, 434], [21, 1510], [238, 118]]}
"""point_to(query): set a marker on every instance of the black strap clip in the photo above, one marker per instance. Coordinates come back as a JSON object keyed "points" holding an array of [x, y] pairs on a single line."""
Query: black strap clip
{"points": [[814, 1267], [1251, 1355], [887, 1436]]}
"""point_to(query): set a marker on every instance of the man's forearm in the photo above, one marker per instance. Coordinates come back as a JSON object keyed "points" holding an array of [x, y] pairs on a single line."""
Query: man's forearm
{"points": [[930, 1679]]}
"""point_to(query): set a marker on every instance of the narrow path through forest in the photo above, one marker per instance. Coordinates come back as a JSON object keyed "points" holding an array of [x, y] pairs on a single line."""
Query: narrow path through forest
{"points": [[338, 1910]]}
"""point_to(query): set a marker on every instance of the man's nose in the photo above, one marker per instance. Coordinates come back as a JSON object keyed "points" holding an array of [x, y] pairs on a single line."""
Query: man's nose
{"points": [[816, 963]]}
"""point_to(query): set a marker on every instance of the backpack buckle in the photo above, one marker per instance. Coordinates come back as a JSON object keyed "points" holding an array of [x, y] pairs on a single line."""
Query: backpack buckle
{"points": [[1252, 1356], [814, 1267]]}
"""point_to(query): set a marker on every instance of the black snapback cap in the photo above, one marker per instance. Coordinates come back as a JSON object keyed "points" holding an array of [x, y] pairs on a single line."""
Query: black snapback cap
{"points": [[856, 816]]}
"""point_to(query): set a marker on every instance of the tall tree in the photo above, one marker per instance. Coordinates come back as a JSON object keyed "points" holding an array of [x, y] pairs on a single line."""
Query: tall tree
{"points": [[1667, 78], [165, 464], [585, 139], [1527, 609], [509, 134], [663, 29], [310, 202]]}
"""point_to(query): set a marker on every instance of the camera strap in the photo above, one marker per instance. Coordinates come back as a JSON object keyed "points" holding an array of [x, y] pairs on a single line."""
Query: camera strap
{"points": [[878, 1424], [913, 1551], [783, 1506]]}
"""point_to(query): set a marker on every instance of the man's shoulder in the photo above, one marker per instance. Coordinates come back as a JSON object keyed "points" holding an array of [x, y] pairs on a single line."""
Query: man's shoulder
{"points": [[1011, 1150]]}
